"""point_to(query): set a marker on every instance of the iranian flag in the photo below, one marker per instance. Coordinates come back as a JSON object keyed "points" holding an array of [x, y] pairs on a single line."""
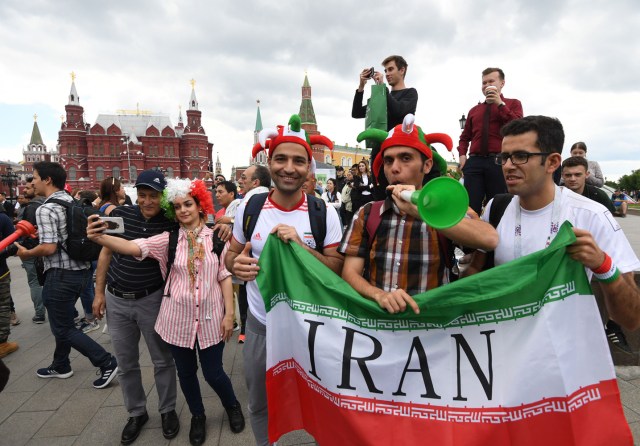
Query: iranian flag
{"points": [[515, 355]]}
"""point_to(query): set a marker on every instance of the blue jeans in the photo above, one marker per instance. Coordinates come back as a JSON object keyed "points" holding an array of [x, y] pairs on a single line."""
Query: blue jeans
{"points": [[59, 294], [211, 362], [34, 287]]}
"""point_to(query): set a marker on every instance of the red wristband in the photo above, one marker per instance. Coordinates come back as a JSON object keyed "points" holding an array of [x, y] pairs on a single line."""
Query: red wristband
{"points": [[606, 265]]}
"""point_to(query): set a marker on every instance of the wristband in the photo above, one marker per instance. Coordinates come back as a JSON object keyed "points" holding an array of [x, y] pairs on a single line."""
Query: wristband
{"points": [[606, 265], [608, 278], [607, 272]]}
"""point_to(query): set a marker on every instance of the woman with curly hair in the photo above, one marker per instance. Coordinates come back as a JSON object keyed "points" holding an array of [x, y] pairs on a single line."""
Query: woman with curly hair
{"points": [[197, 313]]}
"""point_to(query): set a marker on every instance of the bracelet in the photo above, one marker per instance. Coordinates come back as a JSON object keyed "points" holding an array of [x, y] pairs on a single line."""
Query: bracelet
{"points": [[605, 266]]}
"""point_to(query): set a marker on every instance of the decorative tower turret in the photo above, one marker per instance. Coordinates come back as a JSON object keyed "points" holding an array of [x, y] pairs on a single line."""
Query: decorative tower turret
{"points": [[72, 142]]}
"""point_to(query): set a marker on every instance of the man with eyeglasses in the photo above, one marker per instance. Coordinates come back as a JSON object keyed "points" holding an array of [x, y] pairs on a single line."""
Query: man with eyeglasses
{"points": [[530, 154]]}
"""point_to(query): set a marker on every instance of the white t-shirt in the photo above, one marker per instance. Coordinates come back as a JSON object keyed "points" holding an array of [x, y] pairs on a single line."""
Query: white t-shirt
{"points": [[270, 216], [580, 211]]}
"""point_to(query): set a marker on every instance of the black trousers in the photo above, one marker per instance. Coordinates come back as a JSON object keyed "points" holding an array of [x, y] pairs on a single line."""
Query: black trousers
{"points": [[483, 179]]}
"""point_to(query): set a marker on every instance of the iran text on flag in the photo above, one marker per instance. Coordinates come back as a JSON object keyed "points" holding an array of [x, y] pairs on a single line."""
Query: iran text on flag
{"points": [[515, 355]]}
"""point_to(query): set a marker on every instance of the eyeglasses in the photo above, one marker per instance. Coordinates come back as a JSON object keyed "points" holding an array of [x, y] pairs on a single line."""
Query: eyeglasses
{"points": [[517, 157]]}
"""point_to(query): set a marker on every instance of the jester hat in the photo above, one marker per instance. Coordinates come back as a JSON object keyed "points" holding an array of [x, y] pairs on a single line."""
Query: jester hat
{"points": [[408, 134], [269, 139]]}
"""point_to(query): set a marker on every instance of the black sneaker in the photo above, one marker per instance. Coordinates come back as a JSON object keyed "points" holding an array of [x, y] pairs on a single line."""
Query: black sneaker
{"points": [[37, 319], [50, 372], [616, 336], [236, 419], [106, 374]]}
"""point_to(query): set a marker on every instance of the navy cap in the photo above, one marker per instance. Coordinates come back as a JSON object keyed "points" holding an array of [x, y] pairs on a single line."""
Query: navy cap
{"points": [[153, 179]]}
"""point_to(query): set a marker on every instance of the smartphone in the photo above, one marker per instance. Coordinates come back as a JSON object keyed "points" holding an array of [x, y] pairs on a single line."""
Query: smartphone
{"points": [[115, 225], [372, 71]]}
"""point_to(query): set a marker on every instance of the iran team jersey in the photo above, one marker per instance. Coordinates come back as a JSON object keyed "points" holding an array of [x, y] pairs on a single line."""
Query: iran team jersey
{"points": [[270, 216], [582, 212]]}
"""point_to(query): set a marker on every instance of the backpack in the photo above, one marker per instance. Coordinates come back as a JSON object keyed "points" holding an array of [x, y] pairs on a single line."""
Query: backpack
{"points": [[217, 248], [317, 217], [499, 205], [78, 246], [446, 247]]}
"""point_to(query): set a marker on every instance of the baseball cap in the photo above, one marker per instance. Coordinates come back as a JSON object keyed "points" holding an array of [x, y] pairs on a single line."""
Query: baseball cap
{"points": [[153, 179]]}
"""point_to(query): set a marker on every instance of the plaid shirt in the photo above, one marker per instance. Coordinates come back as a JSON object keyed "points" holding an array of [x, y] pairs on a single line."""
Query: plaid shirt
{"points": [[404, 254], [52, 228]]}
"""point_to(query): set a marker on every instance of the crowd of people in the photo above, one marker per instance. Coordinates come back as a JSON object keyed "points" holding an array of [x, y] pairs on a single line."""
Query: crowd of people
{"points": [[182, 272]]}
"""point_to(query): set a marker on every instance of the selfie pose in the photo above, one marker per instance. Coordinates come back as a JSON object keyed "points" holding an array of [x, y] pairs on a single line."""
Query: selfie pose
{"points": [[196, 315]]}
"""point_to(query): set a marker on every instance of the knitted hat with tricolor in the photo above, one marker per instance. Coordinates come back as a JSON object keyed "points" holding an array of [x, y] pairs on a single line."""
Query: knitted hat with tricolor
{"points": [[269, 139], [408, 134]]}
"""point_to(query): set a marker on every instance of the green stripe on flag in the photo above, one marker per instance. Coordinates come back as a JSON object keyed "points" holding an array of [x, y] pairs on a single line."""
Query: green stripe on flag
{"points": [[514, 290]]}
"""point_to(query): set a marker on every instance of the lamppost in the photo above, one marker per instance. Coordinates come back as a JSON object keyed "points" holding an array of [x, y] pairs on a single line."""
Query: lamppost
{"points": [[10, 179], [462, 121], [125, 140]]}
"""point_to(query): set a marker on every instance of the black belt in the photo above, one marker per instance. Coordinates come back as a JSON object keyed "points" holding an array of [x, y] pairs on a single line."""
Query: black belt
{"points": [[488, 155], [136, 295]]}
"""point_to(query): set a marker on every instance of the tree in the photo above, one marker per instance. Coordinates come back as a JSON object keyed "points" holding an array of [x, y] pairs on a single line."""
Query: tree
{"points": [[630, 182]]}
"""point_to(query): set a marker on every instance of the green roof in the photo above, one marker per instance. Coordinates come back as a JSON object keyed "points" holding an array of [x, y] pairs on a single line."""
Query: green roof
{"points": [[307, 115], [258, 121], [36, 138]]}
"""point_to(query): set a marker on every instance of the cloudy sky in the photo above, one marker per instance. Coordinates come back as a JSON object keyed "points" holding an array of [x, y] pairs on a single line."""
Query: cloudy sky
{"points": [[575, 60]]}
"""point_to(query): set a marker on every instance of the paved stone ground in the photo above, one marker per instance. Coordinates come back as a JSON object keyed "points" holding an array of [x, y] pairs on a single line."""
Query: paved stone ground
{"points": [[36, 411]]}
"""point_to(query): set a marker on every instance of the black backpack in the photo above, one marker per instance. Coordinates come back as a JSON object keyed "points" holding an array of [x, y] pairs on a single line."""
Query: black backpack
{"points": [[78, 246], [317, 217]]}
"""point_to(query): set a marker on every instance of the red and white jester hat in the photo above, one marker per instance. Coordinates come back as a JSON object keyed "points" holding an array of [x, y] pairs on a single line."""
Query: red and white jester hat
{"points": [[408, 134], [269, 139]]}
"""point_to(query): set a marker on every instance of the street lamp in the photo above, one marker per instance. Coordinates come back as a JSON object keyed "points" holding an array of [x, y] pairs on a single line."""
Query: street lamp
{"points": [[10, 179], [462, 121], [125, 140]]}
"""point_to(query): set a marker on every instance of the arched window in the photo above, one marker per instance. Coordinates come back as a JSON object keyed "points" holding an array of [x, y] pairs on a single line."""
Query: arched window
{"points": [[99, 173], [115, 172], [343, 161], [194, 173], [133, 173], [72, 173], [327, 159], [169, 172]]}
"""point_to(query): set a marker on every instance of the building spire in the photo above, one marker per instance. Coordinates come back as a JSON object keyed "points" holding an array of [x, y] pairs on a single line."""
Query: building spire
{"points": [[258, 118], [36, 137], [74, 99], [307, 115], [193, 102]]}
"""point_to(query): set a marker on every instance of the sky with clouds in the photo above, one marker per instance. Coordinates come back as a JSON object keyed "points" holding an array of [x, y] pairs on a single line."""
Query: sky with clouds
{"points": [[575, 60]]}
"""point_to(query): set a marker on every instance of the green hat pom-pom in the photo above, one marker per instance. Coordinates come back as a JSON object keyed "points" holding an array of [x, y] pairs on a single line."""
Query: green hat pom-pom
{"points": [[295, 123]]}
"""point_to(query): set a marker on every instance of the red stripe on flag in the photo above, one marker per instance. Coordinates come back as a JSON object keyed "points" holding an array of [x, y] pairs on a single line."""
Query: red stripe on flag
{"points": [[591, 416]]}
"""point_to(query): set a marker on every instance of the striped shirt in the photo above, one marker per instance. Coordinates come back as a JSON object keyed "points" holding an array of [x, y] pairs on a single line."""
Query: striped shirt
{"points": [[404, 254], [52, 228], [186, 314], [126, 274]]}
